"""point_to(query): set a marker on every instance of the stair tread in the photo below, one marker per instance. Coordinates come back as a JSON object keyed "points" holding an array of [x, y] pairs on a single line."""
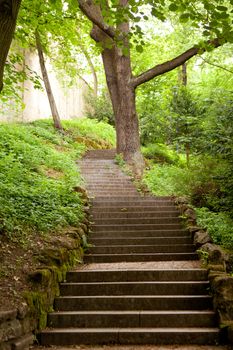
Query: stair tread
{"points": [[129, 312], [136, 329]]}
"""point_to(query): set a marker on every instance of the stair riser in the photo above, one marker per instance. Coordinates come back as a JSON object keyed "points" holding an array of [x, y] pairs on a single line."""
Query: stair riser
{"points": [[101, 210], [138, 233], [135, 289], [140, 241], [132, 303], [137, 221], [130, 227], [128, 203], [142, 249], [137, 275], [139, 257], [131, 320], [126, 215], [120, 337]]}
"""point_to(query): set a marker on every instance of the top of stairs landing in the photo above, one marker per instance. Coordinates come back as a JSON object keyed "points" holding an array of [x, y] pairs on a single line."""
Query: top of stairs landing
{"points": [[101, 154]]}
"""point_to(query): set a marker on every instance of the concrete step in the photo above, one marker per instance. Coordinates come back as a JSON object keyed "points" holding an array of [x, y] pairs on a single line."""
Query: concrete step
{"points": [[139, 233], [156, 336], [131, 209], [135, 302], [131, 249], [137, 257], [135, 227], [137, 220], [136, 275], [128, 319], [130, 214], [128, 203], [140, 241], [135, 288]]}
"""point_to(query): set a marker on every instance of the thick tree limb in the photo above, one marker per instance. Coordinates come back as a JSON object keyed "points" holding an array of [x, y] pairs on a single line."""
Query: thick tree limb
{"points": [[170, 65], [93, 13]]}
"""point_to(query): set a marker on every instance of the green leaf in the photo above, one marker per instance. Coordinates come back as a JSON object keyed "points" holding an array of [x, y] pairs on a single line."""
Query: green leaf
{"points": [[173, 7], [139, 48]]}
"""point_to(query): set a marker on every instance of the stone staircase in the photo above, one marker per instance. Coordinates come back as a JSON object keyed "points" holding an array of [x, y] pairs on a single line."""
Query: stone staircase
{"points": [[141, 282]]}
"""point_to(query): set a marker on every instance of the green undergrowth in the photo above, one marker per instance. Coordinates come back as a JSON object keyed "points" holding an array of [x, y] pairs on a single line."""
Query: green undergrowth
{"points": [[198, 182], [38, 173], [161, 153]]}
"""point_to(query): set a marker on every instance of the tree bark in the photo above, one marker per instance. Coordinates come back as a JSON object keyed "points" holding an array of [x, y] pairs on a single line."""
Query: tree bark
{"points": [[118, 77], [8, 15], [54, 111]]}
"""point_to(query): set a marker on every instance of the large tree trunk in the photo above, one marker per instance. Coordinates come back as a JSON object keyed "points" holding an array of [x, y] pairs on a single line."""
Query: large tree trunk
{"points": [[118, 77], [54, 111], [8, 15]]}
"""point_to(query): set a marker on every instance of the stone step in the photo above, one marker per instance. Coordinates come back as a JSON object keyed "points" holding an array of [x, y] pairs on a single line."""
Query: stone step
{"points": [[131, 214], [137, 220], [139, 233], [135, 288], [143, 199], [131, 249], [156, 336], [135, 227], [140, 241], [131, 209], [135, 302], [128, 203], [110, 194], [129, 319], [137, 275], [115, 187], [137, 257]]}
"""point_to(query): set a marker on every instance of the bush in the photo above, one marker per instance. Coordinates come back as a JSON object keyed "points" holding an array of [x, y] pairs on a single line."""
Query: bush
{"points": [[218, 225], [160, 153], [100, 108]]}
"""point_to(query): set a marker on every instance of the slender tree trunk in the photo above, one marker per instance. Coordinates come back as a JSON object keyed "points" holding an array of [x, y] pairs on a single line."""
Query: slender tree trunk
{"points": [[183, 77], [91, 65], [54, 111], [187, 151], [8, 15]]}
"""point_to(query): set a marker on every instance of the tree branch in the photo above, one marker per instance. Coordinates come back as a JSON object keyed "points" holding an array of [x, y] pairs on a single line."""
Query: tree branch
{"points": [[170, 65], [216, 65], [93, 13]]}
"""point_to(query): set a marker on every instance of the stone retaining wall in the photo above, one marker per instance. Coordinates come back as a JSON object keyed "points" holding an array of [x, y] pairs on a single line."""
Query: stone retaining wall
{"points": [[18, 327], [219, 264]]}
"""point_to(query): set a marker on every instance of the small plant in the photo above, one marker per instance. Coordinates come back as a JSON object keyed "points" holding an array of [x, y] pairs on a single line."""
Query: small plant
{"points": [[204, 256]]}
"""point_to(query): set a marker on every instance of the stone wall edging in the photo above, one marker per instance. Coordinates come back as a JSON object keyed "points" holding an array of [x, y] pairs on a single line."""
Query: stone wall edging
{"points": [[219, 264], [18, 327]]}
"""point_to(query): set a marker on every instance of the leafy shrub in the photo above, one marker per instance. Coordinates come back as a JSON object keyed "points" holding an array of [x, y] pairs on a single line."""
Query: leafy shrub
{"points": [[218, 225], [100, 108], [160, 153]]}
